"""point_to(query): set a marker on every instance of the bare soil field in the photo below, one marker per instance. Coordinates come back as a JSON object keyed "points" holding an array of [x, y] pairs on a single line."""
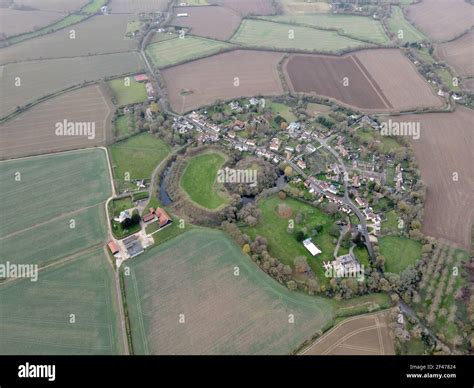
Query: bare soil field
{"points": [[137, 6], [33, 132], [360, 335], [441, 20], [210, 22], [398, 79], [459, 54], [97, 35], [224, 76], [53, 5], [325, 75], [377, 80], [41, 78], [183, 298], [248, 7], [444, 148], [15, 22]]}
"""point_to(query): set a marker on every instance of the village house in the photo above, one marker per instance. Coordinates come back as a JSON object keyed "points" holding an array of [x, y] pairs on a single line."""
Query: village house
{"points": [[275, 144], [301, 164]]}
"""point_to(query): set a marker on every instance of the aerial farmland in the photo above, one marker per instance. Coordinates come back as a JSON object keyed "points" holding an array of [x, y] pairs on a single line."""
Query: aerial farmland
{"points": [[37, 127], [237, 177]]}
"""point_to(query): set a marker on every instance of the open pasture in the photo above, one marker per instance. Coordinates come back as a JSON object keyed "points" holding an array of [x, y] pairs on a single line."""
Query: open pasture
{"points": [[262, 33], [137, 6], [59, 74], [299, 7], [33, 132], [199, 180], [178, 50], [357, 27], [193, 275], [224, 76]]}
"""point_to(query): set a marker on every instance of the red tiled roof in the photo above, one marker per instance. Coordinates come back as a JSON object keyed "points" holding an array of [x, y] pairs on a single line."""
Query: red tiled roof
{"points": [[113, 247], [141, 77], [163, 216], [148, 217]]}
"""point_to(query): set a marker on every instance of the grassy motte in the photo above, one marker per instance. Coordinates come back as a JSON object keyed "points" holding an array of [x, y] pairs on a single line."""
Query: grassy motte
{"points": [[199, 180]]}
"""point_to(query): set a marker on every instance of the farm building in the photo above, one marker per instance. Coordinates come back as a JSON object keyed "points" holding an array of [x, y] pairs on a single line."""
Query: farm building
{"points": [[150, 91], [164, 218], [113, 247], [133, 245], [141, 78], [309, 245]]}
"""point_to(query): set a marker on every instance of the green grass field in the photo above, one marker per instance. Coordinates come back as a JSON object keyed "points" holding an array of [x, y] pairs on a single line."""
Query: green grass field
{"points": [[173, 51], [357, 27], [199, 180], [261, 33], [388, 145], [399, 252], [51, 185], [128, 92], [390, 225], [138, 155], [283, 245], [35, 316], [397, 22], [283, 110], [56, 240], [193, 274]]}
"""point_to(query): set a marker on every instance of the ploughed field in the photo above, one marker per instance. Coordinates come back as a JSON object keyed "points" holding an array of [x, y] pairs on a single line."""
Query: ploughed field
{"points": [[224, 76], [26, 82], [208, 21], [360, 335], [38, 130], [97, 35], [374, 80], [459, 54], [183, 298], [442, 20], [444, 154]]}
